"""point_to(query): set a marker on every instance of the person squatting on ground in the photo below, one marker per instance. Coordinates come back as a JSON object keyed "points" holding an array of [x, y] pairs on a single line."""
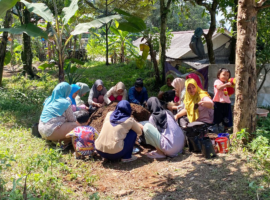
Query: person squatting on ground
{"points": [[57, 118], [167, 87], [116, 93], [118, 134], [96, 95], [198, 105], [138, 94], [179, 86], [162, 131], [83, 136], [71, 98], [84, 88], [222, 107]]}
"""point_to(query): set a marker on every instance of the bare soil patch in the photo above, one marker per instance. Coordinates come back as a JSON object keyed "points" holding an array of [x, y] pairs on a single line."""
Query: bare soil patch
{"points": [[138, 112]]}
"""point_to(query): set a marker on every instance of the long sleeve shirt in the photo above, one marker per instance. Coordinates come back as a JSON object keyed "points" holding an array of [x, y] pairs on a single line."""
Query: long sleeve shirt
{"points": [[137, 97], [114, 93]]}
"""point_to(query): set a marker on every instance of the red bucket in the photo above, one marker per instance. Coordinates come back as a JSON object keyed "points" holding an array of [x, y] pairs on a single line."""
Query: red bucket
{"points": [[222, 144]]}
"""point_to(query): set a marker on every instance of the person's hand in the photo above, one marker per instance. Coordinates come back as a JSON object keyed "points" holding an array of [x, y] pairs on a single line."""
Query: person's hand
{"points": [[86, 108], [99, 105], [201, 103], [170, 107], [175, 117], [229, 84]]}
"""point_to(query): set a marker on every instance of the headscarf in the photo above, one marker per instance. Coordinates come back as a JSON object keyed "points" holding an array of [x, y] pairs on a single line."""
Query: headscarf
{"points": [[165, 87], [74, 88], [196, 78], [170, 76], [158, 113], [179, 85], [97, 93], [121, 113], [139, 82], [119, 86], [190, 101], [84, 88], [56, 104]]}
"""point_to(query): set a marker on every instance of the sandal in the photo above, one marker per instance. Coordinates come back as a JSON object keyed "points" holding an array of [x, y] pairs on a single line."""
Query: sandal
{"points": [[155, 155], [129, 159]]}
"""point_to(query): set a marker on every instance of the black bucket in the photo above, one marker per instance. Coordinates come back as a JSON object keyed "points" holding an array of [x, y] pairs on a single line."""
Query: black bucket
{"points": [[208, 150], [35, 131]]}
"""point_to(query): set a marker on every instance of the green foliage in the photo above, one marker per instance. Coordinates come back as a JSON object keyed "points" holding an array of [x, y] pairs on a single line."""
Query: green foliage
{"points": [[154, 33], [258, 144], [132, 24], [71, 71], [182, 17], [6, 5], [7, 58], [29, 29], [97, 23], [70, 11], [40, 9], [16, 56], [95, 48]]}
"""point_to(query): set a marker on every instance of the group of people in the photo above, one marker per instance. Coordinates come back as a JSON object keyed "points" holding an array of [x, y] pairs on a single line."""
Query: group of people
{"points": [[164, 131]]}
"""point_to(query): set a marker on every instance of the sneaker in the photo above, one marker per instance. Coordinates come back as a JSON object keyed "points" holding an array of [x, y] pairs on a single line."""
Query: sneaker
{"points": [[129, 159]]}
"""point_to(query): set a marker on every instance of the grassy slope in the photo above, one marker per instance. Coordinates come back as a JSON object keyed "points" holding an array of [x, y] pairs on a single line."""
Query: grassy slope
{"points": [[53, 174]]}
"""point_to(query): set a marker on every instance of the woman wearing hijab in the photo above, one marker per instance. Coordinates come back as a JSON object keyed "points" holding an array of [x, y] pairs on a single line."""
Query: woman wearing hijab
{"points": [[138, 94], [96, 95], [71, 98], [118, 134], [167, 87], [116, 93], [162, 131], [179, 86], [57, 118], [198, 105], [196, 78], [82, 92]]}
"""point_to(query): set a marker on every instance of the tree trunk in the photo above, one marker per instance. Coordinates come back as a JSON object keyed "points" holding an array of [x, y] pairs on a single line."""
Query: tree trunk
{"points": [[27, 55], [107, 46], [3, 45], [74, 47], [107, 30], [211, 54], [122, 52], [154, 59], [233, 40], [61, 66], [245, 74], [211, 31], [49, 51], [163, 26]]}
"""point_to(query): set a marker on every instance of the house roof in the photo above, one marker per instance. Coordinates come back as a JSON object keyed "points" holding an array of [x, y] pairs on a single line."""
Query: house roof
{"points": [[180, 42]]}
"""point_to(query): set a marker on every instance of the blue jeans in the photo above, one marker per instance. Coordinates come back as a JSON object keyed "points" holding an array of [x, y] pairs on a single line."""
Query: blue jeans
{"points": [[126, 152]]}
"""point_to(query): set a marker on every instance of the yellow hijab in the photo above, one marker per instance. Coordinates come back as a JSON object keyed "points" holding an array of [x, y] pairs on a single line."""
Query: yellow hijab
{"points": [[190, 100]]}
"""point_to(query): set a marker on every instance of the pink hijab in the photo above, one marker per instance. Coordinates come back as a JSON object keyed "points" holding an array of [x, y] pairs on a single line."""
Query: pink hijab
{"points": [[179, 85], [196, 78]]}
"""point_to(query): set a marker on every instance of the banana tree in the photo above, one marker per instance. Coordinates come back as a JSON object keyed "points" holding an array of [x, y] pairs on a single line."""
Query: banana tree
{"points": [[120, 40]]}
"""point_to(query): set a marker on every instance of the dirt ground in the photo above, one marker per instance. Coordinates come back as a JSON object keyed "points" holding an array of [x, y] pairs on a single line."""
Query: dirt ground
{"points": [[138, 112], [188, 176]]}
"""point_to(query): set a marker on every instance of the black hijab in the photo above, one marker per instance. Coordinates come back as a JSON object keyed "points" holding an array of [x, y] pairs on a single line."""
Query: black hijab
{"points": [[158, 113]]}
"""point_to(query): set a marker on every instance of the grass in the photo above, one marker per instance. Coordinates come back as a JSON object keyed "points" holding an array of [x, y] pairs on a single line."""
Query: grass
{"points": [[53, 174]]}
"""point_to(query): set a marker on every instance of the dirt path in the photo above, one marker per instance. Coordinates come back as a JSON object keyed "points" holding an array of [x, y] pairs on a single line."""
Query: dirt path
{"points": [[188, 176]]}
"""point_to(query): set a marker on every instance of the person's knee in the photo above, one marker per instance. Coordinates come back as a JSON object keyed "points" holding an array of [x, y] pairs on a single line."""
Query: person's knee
{"points": [[147, 128], [101, 99]]}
